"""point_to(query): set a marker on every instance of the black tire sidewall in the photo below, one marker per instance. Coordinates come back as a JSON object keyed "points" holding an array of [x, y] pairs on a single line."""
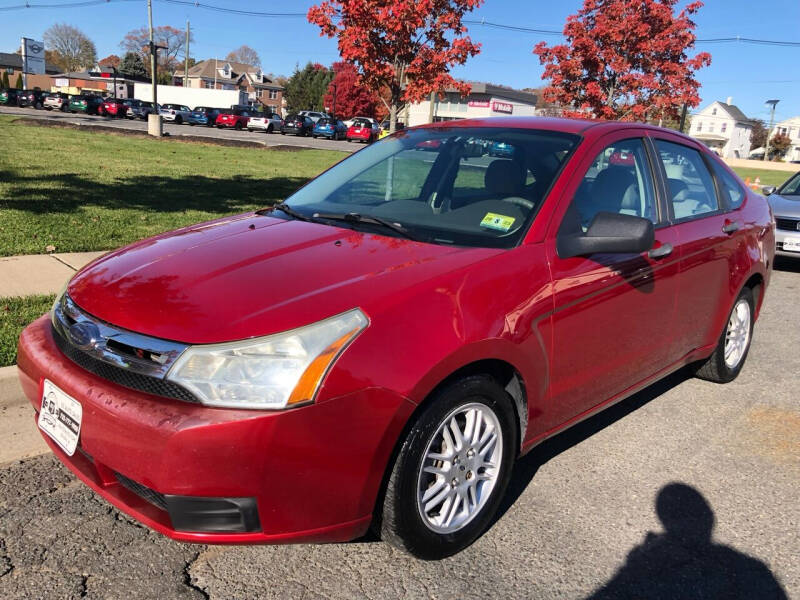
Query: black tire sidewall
{"points": [[417, 537], [726, 373]]}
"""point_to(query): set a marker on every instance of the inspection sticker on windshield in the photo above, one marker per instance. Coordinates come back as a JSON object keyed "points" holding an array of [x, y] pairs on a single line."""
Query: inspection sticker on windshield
{"points": [[498, 222], [60, 417]]}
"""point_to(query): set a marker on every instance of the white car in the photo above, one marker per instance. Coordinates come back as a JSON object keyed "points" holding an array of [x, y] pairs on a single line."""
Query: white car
{"points": [[314, 115], [269, 123], [178, 113]]}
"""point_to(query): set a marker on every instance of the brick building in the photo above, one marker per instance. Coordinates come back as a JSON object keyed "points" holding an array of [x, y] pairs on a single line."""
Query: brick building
{"points": [[12, 64]]}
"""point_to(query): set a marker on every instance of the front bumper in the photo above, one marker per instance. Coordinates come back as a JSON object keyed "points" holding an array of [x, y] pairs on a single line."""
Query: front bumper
{"points": [[314, 472], [197, 120], [780, 236]]}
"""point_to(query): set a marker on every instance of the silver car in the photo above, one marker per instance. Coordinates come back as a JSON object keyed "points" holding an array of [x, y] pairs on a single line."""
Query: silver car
{"points": [[785, 203]]}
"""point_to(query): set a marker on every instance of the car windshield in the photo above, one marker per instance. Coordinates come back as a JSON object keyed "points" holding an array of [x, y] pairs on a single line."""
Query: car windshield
{"points": [[440, 185], [791, 187], [361, 123], [323, 122]]}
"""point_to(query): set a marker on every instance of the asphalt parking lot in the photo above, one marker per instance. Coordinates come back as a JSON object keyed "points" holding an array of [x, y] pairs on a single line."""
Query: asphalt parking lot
{"points": [[256, 137], [686, 490]]}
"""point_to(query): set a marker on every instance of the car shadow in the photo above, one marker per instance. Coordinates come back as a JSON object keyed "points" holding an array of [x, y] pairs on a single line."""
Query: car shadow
{"points": [[527, 466], [786, 264], [685, 562]]}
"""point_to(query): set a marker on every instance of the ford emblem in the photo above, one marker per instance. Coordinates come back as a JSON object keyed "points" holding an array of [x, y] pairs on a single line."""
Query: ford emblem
{"points": [[84, 335]]}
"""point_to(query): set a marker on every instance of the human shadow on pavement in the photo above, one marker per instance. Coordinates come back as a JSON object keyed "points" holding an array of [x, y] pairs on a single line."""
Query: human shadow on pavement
{"points": [[684, 561]]}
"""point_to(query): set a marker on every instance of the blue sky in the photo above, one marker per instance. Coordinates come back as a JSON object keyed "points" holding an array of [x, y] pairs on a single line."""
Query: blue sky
{"points": [[750, 74]]}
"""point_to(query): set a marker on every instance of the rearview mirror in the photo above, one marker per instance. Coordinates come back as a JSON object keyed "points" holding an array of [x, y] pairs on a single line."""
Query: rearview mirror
{"points": [[768, 190], [609, 233]]}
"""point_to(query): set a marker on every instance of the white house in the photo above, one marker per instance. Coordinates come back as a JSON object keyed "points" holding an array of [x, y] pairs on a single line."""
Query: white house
{"points": [[791, 128], [724, 128], [485, 100]]}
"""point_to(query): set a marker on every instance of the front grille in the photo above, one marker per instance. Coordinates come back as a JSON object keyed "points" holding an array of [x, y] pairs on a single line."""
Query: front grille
{"points": [[120, 376], [153, 497], [787, 224]]}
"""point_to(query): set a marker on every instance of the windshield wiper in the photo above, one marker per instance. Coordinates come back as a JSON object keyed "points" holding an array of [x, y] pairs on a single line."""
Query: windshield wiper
{"points": [[353, 217], [285, 208]]}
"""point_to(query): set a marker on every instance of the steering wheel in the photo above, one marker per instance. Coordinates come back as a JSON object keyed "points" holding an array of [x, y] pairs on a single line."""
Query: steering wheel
{"points": [[522, 202]]}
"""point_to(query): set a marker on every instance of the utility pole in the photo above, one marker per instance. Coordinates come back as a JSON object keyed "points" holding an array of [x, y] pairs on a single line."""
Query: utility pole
{"points": [[186, 62], [683, 118], [771, 103], [153, 118], [430, 107]]}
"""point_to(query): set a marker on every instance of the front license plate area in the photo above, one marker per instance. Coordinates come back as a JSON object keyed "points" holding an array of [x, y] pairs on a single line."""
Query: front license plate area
{"points": [[791, 245], [60, 417]]}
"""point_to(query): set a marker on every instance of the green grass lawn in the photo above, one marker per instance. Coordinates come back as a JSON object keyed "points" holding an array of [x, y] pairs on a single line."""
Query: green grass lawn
{"points": [[767, 177], [78, 191], [15, 314]]}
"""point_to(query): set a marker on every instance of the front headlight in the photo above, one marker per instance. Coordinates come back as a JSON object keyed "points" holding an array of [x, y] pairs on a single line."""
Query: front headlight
{"points": [[275, 371]]}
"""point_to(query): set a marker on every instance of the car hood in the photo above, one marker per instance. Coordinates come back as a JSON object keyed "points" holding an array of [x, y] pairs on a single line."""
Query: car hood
{"points": [[784, 206], [254, 275]]}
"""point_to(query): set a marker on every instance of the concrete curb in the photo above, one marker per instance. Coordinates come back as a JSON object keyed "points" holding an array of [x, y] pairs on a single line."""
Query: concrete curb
{"points": [[10, 389]]}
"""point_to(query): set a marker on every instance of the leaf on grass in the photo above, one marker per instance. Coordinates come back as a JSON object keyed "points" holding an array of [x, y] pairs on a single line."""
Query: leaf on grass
{"points": [[50, 248]]}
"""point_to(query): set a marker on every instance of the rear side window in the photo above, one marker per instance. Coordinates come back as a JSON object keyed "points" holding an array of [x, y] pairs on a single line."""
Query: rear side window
{"points": [[619, 181], [691, 188], [731, 189]]}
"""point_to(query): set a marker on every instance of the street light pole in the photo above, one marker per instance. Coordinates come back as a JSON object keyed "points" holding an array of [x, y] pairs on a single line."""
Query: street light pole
{"points": [[153, 118], [771, 103]]}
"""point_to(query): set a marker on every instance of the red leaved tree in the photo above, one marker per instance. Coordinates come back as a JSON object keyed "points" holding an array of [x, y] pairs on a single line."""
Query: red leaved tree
{"points": [[408, 46], [112, 60], [625, 59], [346, 93]]}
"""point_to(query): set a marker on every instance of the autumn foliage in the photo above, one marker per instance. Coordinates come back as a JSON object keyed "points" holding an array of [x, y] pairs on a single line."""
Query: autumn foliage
{"points": [[407, 46], [625, 59], [347, 94]]}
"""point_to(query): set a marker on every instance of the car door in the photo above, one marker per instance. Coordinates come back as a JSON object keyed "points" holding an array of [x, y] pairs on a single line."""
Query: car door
{"points": [[613, 313], [709, 235]]}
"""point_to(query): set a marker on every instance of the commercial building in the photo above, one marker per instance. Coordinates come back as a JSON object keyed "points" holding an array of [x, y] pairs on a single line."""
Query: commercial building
{"points": [[484, 100], [12, 65]]}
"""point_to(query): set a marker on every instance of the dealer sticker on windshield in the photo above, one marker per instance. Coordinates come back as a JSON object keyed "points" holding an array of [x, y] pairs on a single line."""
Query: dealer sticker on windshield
{"points": [[498, 222], [60, 417]]}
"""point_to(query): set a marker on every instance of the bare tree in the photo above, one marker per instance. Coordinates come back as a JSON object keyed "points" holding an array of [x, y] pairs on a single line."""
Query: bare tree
{"points": [[246, 55], [137, 41], [71, 48]]}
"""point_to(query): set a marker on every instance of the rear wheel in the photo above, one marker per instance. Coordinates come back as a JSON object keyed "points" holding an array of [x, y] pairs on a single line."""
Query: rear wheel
{"points": [[269, 129], [729, 356], [179, 120], [238, 126], [452, 470]]}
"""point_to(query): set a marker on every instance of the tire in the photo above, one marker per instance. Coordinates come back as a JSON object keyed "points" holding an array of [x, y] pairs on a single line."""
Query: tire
{"points": [[736, 336], [283, 133], [313, 136], [403, 521], [191, 124], [269, 129], [238, 126], [178, 120]]}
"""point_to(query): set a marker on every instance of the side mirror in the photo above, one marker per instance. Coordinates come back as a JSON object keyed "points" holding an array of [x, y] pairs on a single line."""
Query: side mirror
{"points": [[768, 190], [609, 233]]}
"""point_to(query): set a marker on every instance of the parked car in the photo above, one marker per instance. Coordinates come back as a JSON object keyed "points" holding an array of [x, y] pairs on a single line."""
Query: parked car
{"points": [[31, 98], [333, 129], [363, 130], [57, 101], [370, 355], [197, 117], [385, 126], [88, 104], [177, 113], [313, 115], [237, 118], [297, 124], [501, 149], [210, 113], [268, 123], [9, 96], [114, 107], [138, 109], [785, 203]]}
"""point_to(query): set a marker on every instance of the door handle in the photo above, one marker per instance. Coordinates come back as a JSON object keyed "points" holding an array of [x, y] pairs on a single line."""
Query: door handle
{"points": [[660, 252], [731, 227]]}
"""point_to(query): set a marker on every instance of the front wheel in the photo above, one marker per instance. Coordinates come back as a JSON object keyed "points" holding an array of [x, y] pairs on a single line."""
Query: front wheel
{"points": [[178, 120], [452, 470], [725, 364]]}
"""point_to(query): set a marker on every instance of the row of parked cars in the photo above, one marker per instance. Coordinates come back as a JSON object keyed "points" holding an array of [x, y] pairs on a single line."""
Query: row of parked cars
{"points": [[303, 123]]}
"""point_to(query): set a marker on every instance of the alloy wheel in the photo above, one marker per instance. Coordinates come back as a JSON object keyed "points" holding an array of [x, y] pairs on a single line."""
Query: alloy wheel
{"points": [[737, 335], [459, 468]]}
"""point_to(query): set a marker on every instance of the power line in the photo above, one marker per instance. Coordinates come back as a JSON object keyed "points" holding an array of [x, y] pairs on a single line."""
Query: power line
{"points": [[482, 22]]}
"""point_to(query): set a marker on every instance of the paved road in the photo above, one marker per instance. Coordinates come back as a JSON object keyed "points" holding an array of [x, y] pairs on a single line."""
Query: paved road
{"points": [[185, 130], [581, 513]]}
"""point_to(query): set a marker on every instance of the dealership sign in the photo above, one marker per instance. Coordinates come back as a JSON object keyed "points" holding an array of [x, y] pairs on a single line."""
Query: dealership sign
{"points": [[502, 107], [32, 56], [479, 104]]}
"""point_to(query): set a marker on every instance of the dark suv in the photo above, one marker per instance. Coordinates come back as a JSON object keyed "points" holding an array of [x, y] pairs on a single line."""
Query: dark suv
{"points": [[297, 125], [34, 98]]}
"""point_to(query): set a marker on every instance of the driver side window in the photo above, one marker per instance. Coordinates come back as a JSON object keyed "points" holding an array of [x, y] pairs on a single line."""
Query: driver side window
{"points": [[619, 181]]}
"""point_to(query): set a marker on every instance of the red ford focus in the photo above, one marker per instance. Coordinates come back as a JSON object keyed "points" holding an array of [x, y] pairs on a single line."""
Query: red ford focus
{"points": [[379, 349]]}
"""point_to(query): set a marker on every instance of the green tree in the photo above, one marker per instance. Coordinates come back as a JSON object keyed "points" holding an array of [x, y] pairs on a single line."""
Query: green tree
{"points": [[758, 136], [5, 80], [18, 84], [305, 90], [778, 146], [132, 64]]}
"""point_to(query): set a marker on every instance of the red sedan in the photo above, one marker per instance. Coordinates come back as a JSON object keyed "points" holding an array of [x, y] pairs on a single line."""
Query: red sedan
{"points": [[113, 108], [363, 130], [378, 350]]}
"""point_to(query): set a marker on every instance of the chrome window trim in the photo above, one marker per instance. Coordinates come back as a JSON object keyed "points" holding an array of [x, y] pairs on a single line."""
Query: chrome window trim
{"points": [[93, 335]]}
